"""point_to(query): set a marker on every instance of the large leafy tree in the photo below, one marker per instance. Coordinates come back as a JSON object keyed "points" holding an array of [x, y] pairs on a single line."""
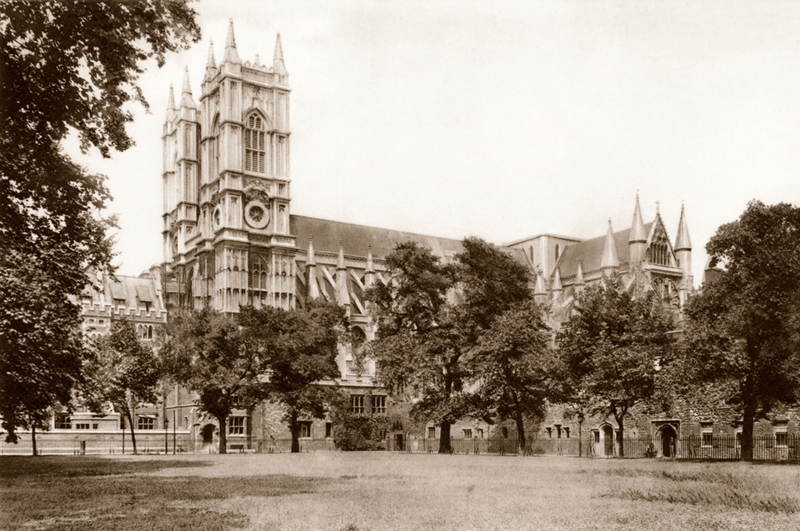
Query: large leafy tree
{"points": [[212, 356], [431, 315], [743, 331], [515, 367], [419, 347], [303, 367], [63, 66], [121, 371], [611, 349]]}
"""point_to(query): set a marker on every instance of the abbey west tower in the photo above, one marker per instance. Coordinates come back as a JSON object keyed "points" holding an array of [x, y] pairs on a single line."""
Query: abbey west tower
{"points": [[226, 231]]}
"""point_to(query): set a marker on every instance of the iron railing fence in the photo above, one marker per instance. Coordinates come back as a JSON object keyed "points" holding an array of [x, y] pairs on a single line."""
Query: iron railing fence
{"points": [[780, 447], [88, 446], [497, 446], [113, 445]]}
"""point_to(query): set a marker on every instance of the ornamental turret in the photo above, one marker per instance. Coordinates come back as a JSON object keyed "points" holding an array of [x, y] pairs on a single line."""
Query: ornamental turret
{"points": [[557, 288], [278, 65], [187, 101], [231, 55], [683, 245], [539, 291], [637, 241], [610, 259], [683, 253], [369, 272], [342, 293], [579, 282], [311, 268], [211, 64]]}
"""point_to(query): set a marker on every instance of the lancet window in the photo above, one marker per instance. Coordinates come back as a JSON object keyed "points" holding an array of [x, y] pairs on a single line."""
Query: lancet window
{"points": [[214, 152], [254, 144], [258, 275]]}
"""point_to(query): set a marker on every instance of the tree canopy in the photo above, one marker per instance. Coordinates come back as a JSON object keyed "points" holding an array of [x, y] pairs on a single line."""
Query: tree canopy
{"points": [[611, 349], [122, 371], [211, 356], [742, 329], [430, 316], [235, 362], [302, 367], [514, 364], [64, 66]]}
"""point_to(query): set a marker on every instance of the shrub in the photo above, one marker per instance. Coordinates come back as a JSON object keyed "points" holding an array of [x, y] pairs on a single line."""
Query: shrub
{"points": [[358, 432]]}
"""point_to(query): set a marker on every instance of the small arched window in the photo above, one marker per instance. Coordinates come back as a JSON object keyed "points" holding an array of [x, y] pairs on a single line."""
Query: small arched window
{"points": [[558, 252], [258, 275], [254, 144], [150, 332]]}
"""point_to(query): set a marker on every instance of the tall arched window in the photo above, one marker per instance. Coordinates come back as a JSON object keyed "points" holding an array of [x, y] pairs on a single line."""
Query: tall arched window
{"points": [[254, 144], [214, 155], [558, 251]]}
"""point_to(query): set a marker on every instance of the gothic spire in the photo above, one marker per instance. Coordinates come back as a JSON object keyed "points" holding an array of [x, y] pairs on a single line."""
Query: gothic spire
{"points": [[311, 260], [342, 292], [610, 258], [557, 283], [370, 265], [637, 225], [231, 55], [340, 261], [539, 289], [311, 268], [211, 64], [171, 104], [369, 272], [278, 66], [682, 241], [186, 92], [579, 282]]}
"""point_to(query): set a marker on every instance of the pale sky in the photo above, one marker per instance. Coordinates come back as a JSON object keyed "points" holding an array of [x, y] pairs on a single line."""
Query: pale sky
{"points": [[503, 119]]}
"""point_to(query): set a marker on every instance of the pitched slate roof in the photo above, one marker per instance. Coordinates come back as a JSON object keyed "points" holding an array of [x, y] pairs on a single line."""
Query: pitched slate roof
{"points": [[591, 253], [356, 239]]}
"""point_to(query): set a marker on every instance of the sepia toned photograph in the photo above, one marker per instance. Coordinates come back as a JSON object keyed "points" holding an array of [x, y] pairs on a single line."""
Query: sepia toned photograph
{"points": [[362, 265]]}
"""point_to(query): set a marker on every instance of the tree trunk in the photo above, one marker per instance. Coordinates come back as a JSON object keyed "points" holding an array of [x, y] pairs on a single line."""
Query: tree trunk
{"points": [[33, 437], [130, 423], [749, 404], [223, 434], [294, 427], [747, 432], [521, 443], [621, 438], [444, 439]]}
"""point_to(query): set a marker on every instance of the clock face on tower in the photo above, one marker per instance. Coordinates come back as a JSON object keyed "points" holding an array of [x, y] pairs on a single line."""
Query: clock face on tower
{"points": [[256, 214]]}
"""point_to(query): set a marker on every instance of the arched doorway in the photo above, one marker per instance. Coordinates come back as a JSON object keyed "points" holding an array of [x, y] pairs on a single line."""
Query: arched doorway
{"points": [[668, 441], [207, 433], [608, 441]]}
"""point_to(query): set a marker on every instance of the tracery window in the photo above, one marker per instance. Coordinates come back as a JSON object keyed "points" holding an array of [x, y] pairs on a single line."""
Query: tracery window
{"points": [[258, 274], [659, 253], [254, 144]]}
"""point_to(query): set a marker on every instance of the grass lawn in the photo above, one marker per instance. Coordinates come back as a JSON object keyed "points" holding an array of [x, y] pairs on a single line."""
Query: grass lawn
{"points": [[375, 491]]}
